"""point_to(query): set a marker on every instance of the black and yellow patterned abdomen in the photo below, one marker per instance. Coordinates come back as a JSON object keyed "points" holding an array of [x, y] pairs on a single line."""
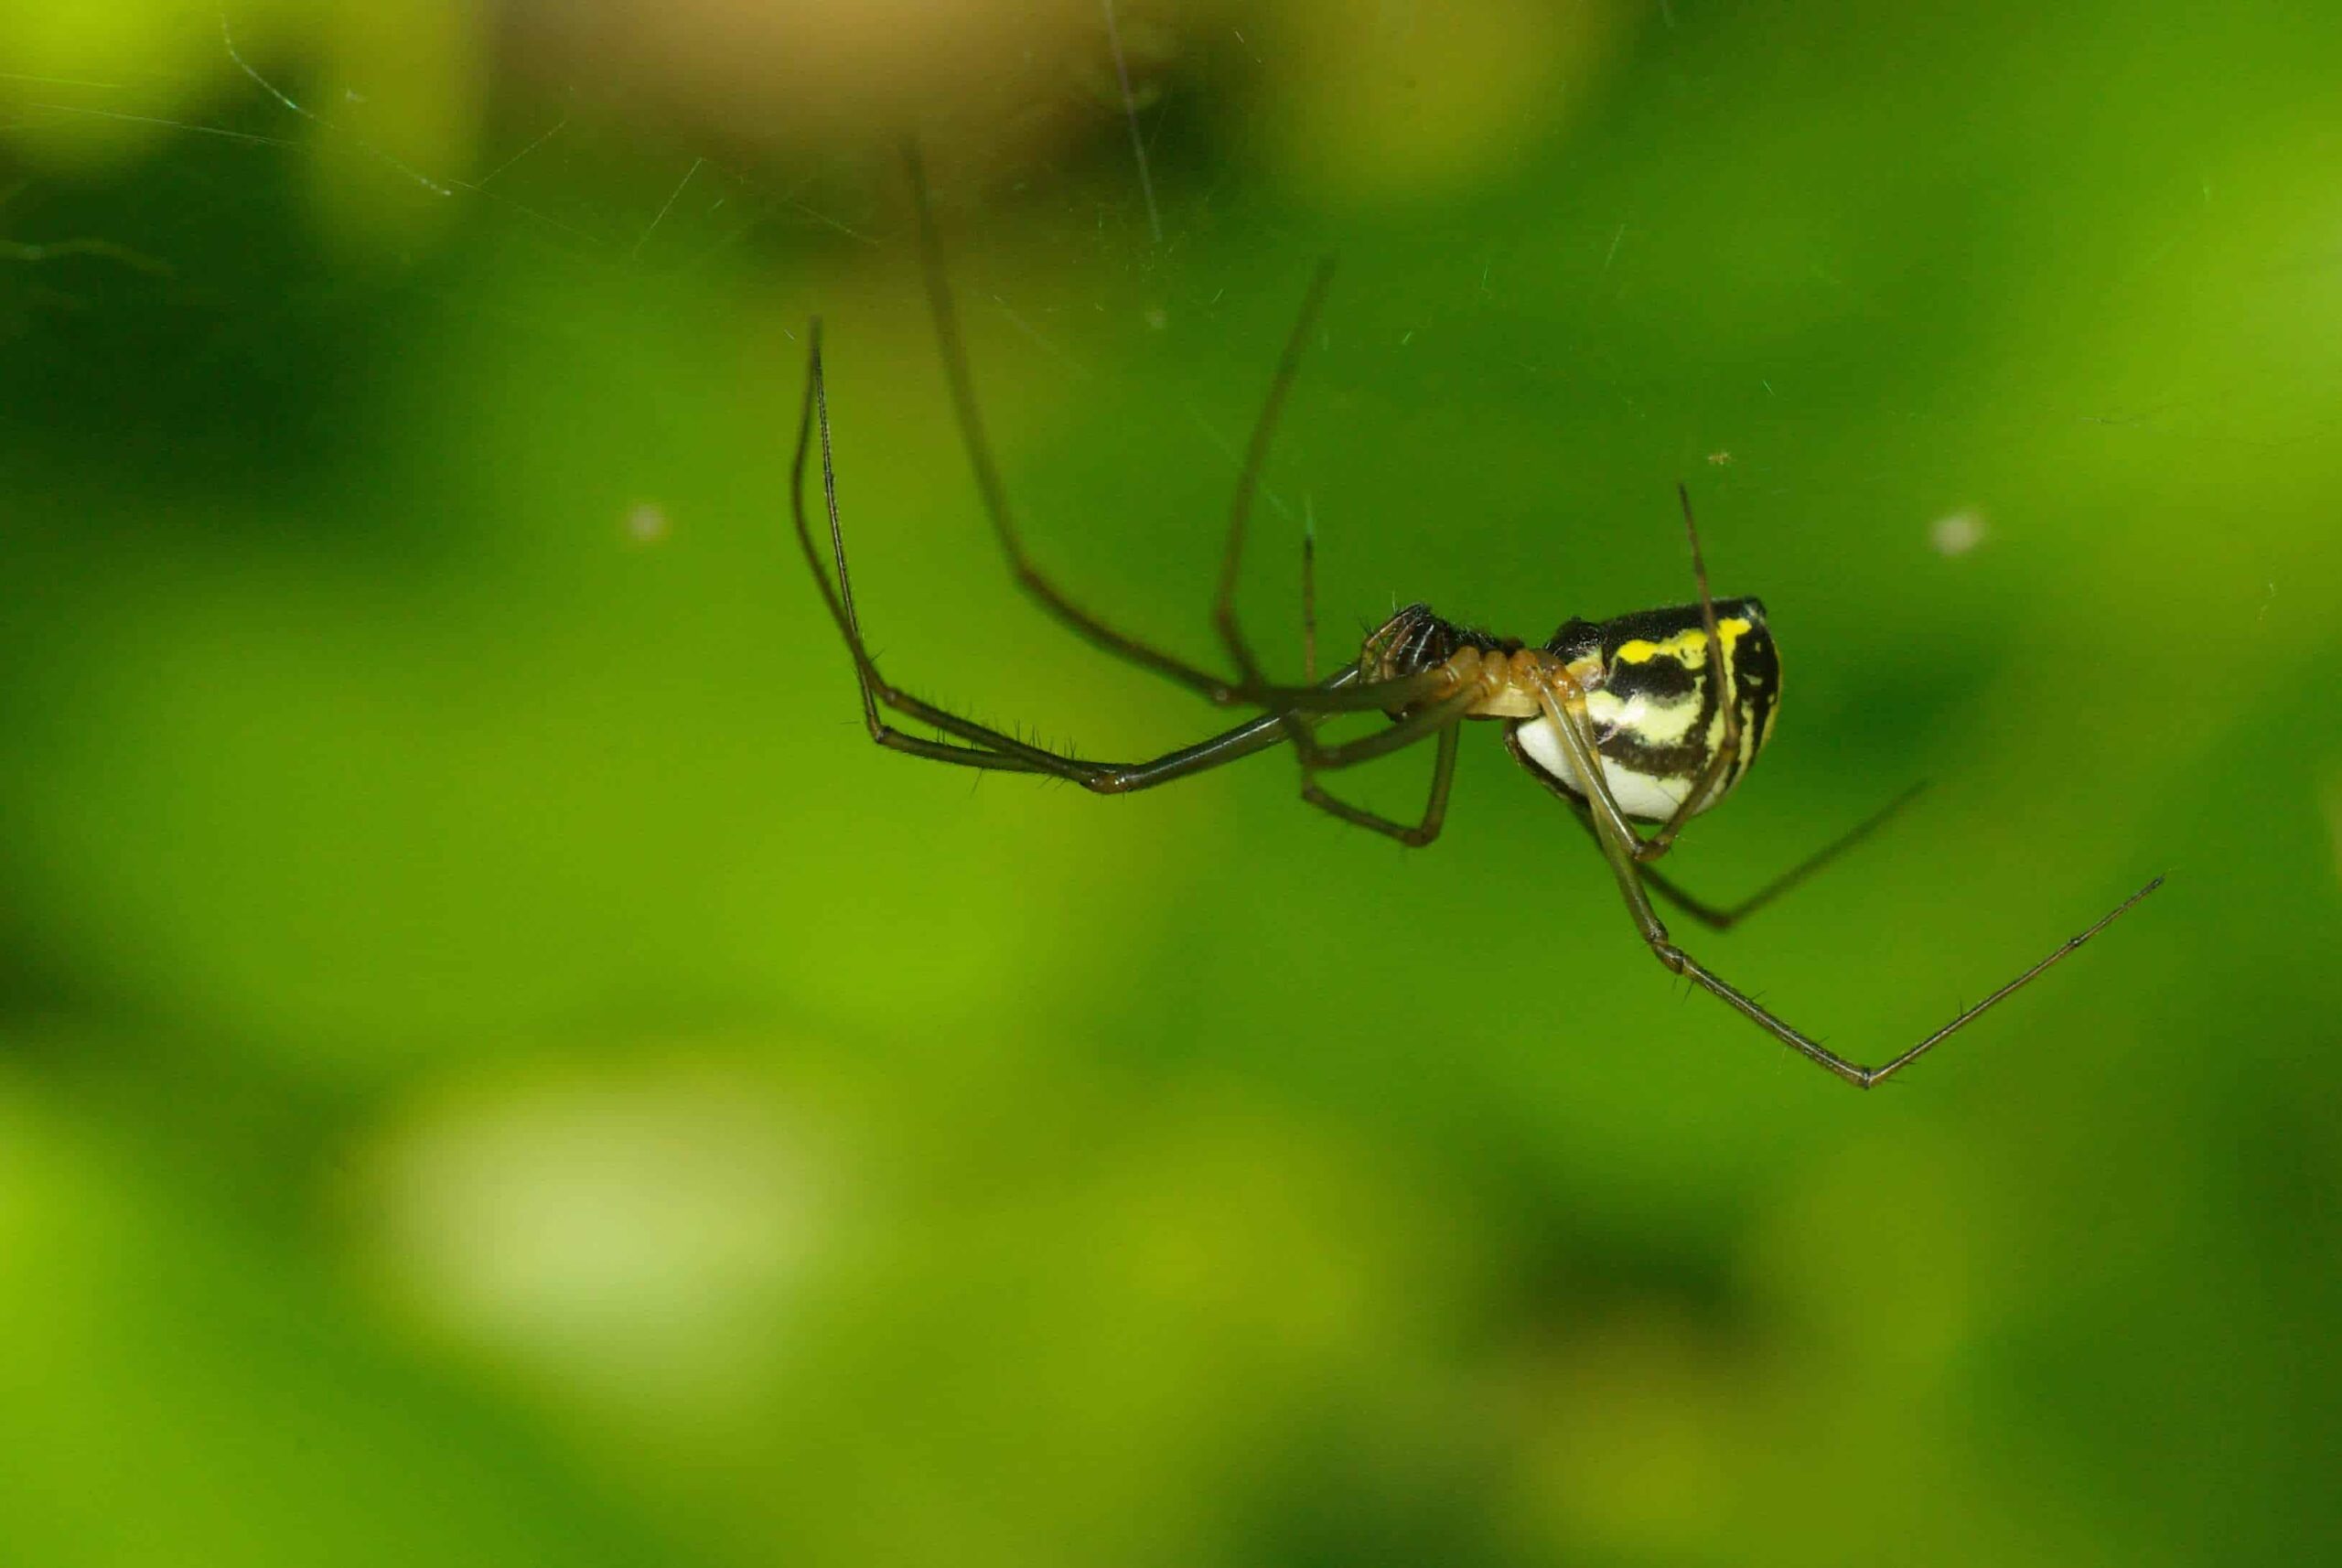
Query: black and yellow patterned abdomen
{"points": [[1658, 712]]}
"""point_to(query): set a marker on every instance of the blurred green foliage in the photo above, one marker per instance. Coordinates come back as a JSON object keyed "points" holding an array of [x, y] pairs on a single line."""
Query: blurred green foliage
{"points": [[494, 1067]]}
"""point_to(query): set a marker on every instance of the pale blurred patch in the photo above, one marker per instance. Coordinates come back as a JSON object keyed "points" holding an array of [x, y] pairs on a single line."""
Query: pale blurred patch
{"points": [[1360, 101], [814, 75], [1343, 101], [1956, 534], [1399, 101], [1106, 1324], [632, 1231], [648, 524]]}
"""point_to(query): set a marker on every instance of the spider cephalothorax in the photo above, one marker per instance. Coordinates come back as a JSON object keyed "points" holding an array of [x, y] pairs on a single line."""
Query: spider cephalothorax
{"points": [[1417, 639]]}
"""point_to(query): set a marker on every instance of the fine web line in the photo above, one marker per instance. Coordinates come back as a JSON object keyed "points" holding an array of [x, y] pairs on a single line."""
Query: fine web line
{"points": [[228, 38], [1130, 113]]}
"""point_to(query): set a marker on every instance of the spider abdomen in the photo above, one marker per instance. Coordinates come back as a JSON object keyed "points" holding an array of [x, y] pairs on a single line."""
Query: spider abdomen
{"points": [[1657, 709]]}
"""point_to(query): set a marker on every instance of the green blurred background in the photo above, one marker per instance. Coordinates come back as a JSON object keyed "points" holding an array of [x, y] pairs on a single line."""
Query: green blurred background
{"points": [[494, 1067]]}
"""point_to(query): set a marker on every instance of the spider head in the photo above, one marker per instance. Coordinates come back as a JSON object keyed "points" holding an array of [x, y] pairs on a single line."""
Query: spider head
{"points": [[1418, 638], [1410, 642]]}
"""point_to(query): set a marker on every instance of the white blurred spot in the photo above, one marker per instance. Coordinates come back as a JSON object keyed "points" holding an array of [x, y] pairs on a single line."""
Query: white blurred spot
{"points": [[635, 1230], [648, 524], [1957, 533], [1157, 318]]}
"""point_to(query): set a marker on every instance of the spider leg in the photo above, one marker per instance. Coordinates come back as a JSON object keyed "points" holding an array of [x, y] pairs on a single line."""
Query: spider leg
{"points": [[1414, 835], [992, 749], [1443, 718], [1618, 849], [1253, 687], [1721, 917], [987, 471], [1308, 602], [1248, 478], [979, 745], [1431, 718], [1316, 698]]}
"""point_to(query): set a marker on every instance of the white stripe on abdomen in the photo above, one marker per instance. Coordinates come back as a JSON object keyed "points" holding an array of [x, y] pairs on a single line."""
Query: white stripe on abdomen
{"points": [[1638, 795]]}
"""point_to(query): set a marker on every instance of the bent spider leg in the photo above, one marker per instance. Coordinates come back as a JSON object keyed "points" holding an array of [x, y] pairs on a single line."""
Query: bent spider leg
{"points": [[1403, 732], [1308, 602], [1577, 740], [987, 471], [1721, 917], [1248, 479], [1252, 687], [840, 596], [995, 497], [1443, 718], [1414, 835], [985, 747]]}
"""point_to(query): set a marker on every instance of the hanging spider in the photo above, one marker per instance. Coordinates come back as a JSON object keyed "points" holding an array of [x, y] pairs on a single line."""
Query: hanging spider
{"points": [[1650, 717]]}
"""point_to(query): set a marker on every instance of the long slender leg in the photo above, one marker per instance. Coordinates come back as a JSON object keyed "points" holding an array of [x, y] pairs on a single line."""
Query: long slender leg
{"points": [[1720, 917], [1309, 604], [1578, 741], [1248, 478], [985, 747], [988, 483], [991, 749], [1240, 512], [995, 497], [1445, 717], [1403, 732], [1413, 835], [1723, 917], [839, 596]]}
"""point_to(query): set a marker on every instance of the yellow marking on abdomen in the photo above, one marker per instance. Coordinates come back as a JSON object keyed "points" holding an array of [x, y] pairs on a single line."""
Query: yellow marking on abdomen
{"points": [[1686, 647]]}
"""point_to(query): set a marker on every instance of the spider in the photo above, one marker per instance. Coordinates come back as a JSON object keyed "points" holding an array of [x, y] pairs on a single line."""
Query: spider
{"points": [[1652, 717]]}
